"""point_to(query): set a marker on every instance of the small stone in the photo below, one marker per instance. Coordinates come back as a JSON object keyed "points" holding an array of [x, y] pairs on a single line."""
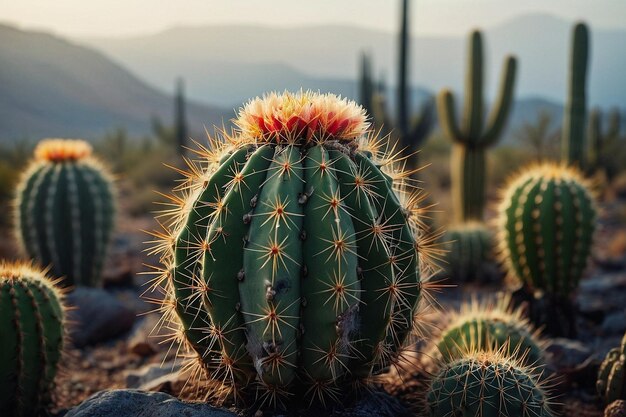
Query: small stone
{"points": [[133, 403], [98, 316]]}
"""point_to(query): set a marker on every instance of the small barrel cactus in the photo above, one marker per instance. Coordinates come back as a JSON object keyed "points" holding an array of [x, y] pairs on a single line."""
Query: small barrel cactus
{"points": [[547, 224], [489, 325], [487, 384], [296, 259], [611, 383], [616, 409], [469, 248], [65, 211], [32, 329]]}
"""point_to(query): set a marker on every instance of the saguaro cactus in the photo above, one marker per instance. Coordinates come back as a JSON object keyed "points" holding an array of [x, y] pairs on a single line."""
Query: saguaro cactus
{"points": [[297, 252], [487, 384], [573, 139], [65, 210], [473, 137], [180, 121], [603, 144], [32, 329], [547, 223], [410, 129], [611, 383], [490, 326]]}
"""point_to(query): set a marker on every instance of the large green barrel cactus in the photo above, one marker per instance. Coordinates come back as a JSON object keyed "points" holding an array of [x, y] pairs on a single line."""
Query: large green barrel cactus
{"points": [[547, 224], [472, 137], [65, 211], [469, 248], [31, 341], [575, 114], [296, 255], [487, 384], [611, 383], [491, 325]]}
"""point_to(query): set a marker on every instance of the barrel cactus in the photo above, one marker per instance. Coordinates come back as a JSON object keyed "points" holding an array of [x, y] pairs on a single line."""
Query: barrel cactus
{"points": [[547, 224], [469, 248], [491, 325], [32, 329], [295, 260], [611, 383], [65, 211], [487, 384]]}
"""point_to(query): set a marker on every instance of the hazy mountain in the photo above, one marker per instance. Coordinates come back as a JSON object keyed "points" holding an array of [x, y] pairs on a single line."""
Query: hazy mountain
{"points": [[226, 64], [52, 87]]}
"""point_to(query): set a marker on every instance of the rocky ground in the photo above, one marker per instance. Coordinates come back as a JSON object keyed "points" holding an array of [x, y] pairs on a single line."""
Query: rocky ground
{"points": [[113, 347]]}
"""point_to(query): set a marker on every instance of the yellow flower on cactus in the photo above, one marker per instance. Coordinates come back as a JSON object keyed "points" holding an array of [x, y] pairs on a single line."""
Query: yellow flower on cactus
{"points": [[59, 150], [312, 116]]}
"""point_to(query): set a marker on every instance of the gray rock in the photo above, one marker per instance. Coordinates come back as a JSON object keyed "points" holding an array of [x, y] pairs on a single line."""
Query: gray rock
{"points": [[614, 323], [133, 403], [568, 353], [97, 316], [150, 373]]}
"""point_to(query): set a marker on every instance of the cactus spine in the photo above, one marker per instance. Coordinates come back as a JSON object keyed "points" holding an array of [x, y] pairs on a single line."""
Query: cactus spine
{"points": [[469, 247], [32, 328], [547, 224], [611, 383], [295, 256], [491, 326], [65, 210], [487, 384], [473, 137], [573, 139]]}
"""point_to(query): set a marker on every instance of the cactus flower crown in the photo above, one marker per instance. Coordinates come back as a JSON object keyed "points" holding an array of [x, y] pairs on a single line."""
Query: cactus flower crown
{"points": [[60, 150], [307, 116]]}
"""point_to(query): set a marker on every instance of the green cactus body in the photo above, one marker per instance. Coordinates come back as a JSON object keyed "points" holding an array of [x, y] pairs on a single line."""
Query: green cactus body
{"points": [[31, 325], [611, 383], [469, 248], [294, 259], [491, 326], [547, 224], [487, 384], [473, 137], [65, 211], [573, 139]]}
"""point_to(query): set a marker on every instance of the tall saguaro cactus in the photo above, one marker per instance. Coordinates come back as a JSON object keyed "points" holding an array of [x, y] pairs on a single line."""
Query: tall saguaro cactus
{"points": [[573, 140], [180, 121], [410, 129], [472, 137]]}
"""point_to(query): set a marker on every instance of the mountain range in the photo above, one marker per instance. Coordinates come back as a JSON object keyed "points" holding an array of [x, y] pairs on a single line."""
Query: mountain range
{"points": [[225, 65], [50, 86]]}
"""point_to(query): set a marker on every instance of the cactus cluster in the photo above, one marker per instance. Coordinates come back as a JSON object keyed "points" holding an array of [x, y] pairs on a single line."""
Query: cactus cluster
{"points": [[491, 326], [472, 137], [604, 144], [547, 224], [487, 384], [611, 383], [32, 333], [469, 248], [65, 210], [296, 259]]}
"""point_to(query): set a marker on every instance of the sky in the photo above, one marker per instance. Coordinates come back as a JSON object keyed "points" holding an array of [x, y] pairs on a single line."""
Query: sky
{"points": [[118, 18]]}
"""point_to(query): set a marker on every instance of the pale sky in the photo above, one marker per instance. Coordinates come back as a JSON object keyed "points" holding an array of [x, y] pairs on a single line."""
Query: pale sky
{"points": [[132, 17]]}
